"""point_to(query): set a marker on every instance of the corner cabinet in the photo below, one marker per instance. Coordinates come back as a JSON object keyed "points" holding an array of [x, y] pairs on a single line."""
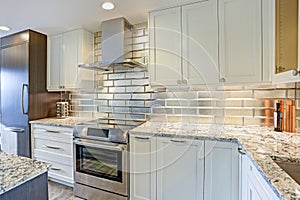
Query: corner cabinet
{"points": [[165, 168], [65, 52]]}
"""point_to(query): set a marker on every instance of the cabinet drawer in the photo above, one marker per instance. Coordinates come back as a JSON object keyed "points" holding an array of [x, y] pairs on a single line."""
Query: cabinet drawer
{"points": [[53, 146], [58, 170], [53, 133], [52, 157]]}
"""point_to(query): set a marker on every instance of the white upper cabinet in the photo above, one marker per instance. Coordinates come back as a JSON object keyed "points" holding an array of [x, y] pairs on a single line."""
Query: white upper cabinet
{"points": [[200, 42], [286, 17], [165, 46], [180, 169], [240, 40], [65, 52], [221, 171]]}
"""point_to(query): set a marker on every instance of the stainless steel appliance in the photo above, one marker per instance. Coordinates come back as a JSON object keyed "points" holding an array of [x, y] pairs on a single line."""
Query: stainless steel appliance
{"points": [[23, 89], [100, 160]]}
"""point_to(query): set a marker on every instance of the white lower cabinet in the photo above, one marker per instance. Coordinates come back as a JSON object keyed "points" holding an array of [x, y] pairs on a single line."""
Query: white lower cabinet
{"points": [[54, 145], [142, 167], [180, 168], [257, 186], [221, 171], [164, 168]]}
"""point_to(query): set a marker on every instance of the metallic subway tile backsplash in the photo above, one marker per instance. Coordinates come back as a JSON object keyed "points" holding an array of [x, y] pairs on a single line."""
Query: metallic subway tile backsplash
{"points": [[124, 97]]}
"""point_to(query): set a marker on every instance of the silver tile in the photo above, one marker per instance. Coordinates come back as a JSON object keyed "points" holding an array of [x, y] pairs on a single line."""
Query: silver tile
{"points": [[141, 110], [135, 103], [264, 112], [116, 89], [122, 110], [229, 120], [238, 94], [263, 94], [105, 96], [116, 115], [138, 32], [138, 47], [122, 96], [117, 103], [116, 76], [101, 102], [140, 82], [135, 116], [268, 103], [164, 95], [258, 121], [211, 112], [162, 110], [122, 82], [135, 75], [105, 109], [141, 96], [108, 83], [142, 39], [239, 112], [229, 103], [202, 103], [133, 123], [185, 111], [177, 103], [155, 103]]}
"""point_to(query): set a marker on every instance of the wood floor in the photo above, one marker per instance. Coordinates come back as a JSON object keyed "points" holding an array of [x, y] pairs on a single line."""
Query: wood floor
{"points": [[60, 192]]}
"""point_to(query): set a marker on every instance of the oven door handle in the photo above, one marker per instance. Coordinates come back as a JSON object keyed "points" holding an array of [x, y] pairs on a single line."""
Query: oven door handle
{"points": [[102, 146]]}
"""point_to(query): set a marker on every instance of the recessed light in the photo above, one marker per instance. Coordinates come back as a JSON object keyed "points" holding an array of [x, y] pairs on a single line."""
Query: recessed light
{"points": [[108, 6], [4, 28]]}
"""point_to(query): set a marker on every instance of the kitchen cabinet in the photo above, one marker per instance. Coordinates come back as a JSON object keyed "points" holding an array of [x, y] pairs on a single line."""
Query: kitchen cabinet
{"points": [[180, 169], [183, 45], [226, 41], [257, 186], [65, 52], [176, 168], [240, 26], [286, 16], [142, 167], [221, 170], [54, 145]]}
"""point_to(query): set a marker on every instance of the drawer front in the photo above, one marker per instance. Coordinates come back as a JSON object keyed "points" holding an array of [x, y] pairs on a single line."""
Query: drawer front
{"points": [[53, 146], [52, 157], [55, 133], [58, 170]]}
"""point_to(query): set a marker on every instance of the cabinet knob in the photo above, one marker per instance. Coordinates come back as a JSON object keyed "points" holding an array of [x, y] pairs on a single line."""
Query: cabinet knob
{"points": [[295, 72], [241, 151], [184, 82], [222, 80]]}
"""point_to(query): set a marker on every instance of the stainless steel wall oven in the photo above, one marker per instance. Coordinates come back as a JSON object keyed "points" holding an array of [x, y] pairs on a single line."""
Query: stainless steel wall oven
{"points": [[100, 160]]}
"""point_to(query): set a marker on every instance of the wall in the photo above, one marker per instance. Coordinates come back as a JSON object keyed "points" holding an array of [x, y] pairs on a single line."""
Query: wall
{"points": [[124, 97]]}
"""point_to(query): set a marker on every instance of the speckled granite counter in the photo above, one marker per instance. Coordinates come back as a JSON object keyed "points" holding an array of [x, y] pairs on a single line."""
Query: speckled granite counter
{"points": [[259, 142], [16, 170], [67, 122]]}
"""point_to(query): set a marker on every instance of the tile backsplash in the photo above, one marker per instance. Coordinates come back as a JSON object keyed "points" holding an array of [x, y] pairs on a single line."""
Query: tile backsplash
{"points": [[124, 97]]}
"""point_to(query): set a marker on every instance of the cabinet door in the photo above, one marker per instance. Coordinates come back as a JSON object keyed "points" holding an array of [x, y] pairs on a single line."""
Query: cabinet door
{"points": [[69, 68], [142, 167], [221, 171], [200, 42], [240, 41], [54, 64], [165, 47], [180, 168]]}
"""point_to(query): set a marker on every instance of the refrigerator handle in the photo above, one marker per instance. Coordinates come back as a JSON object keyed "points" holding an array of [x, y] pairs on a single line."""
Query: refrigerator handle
{"points": [[23, 89]]}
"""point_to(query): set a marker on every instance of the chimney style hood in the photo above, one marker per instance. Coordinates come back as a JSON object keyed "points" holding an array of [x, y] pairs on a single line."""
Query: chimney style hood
{"points": [[117, 45]]}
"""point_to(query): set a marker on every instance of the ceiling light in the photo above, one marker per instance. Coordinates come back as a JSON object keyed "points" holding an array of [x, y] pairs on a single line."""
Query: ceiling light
{"points": [[4, 28], [108, 6]]}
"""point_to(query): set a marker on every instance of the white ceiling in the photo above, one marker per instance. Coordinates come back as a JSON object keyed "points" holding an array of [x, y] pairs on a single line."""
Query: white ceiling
{"points": [[55, 16]]}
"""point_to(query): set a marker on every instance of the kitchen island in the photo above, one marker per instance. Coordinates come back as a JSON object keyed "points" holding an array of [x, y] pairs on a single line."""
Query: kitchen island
{"points": [[22, 178], [261, 144]]}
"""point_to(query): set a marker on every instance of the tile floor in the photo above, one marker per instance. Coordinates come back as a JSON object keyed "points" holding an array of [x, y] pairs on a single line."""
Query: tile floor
{"points": [[60, 192]]}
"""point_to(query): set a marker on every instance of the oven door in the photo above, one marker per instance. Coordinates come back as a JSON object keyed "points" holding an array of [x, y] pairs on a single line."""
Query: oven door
{"points": [[101, 165]]}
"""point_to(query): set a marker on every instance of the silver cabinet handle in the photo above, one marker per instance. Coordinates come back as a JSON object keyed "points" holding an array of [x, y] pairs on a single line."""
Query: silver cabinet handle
{"points": [[178, 141], [54, 168], [51, 147], [14, 129], [222, 80], [23, 91], [142, 138], [51, 131], [240, 150]]}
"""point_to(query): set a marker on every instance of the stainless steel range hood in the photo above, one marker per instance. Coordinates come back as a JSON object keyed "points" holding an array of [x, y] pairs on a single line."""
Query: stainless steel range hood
{"points": [[117, 44]]}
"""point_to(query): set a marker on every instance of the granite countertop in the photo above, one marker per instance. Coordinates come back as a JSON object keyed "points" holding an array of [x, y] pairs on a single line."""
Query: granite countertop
{"points": [[67, 122], [260, 143], [16, 170]]}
